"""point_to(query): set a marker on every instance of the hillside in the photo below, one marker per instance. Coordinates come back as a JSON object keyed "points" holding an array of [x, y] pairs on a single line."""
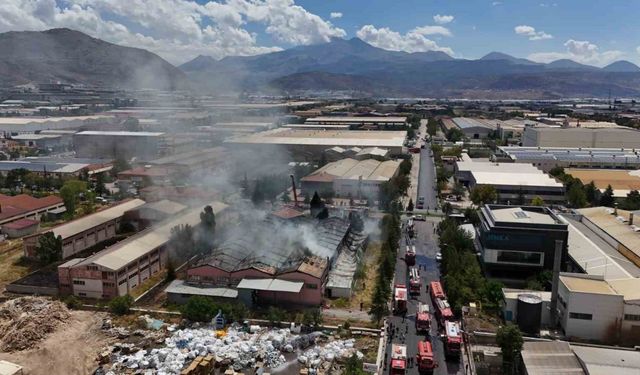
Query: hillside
{"points": [[73, 57]]}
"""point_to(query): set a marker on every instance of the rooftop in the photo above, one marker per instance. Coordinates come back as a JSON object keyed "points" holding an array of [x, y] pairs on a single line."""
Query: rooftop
{"points": [[586, 285], [514, 293], [629, 288], [478, 166], [11, 206], [120, 133], [621, 180], [181, 287], [42, 166], [20, 224], [518, 215], [568, 154], [363, 138], [550, 358], [359, 119], [28, 120], [608, 361], [516, 179], [271, 285], [466, 123], [615, 226], [368, 169]]}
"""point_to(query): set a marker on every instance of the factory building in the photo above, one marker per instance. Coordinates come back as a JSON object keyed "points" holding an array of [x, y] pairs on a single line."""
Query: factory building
{"points": [[473, 128], [514, 184], [24, 206], [518, 242], [351, 178], [361, 122], [42, 141], [82, 233], [119, 144], [581, 137], [21, 125], [309, 144], [122, 267], [547, 158]]}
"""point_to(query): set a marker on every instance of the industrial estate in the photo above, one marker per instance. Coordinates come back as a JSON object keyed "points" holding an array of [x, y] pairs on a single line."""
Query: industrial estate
{"points": [[170, 230]]}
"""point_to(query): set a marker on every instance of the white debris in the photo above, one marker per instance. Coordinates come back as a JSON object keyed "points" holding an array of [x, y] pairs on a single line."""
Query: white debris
{"points": [[338, 349]]}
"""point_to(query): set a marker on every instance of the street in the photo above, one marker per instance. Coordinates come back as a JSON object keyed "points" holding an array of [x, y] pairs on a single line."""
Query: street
{"points": [[427, 179]]}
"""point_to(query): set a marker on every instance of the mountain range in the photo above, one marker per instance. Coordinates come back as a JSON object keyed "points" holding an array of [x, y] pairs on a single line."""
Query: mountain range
{"points": [[339, 65]]}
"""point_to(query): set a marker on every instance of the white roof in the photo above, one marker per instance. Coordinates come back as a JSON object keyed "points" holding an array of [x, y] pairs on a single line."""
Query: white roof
{"points": [[358, 119], [40, 120], [272, 285], [74, 227], [479, 166], [515, 179], [32, 137], [368, 169], [180, 287], [608, 361], [347, 138], [8, 368], [510, 293], [120, 133], [518, 215]]}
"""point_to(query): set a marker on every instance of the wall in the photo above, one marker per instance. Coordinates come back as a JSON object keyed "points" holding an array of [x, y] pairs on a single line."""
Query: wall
{"points": [[308, 295]]}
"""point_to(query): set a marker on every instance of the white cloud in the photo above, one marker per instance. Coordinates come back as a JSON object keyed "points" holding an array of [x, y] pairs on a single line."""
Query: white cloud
{"points": [[638, 50], [496, 3], [432, 30], [336, 15], [531, 32], [442, 19], [177, 30], [581, 51], [412, 41]]}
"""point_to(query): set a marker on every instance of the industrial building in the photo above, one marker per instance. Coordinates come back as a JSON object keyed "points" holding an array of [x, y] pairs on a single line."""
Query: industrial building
{"points": [[42, 141], [24, 206], [529, 309], [20, 228], [547, 158], [311, 143], [151, 213], [119, 144], [51, 168], [515, 184], [361, 122], [580, 137], [473, 128], [82, 233], [518, 242], [605, 311], [621, 181], [291, 267], [19, 125], [351, 178], [120, 268]]}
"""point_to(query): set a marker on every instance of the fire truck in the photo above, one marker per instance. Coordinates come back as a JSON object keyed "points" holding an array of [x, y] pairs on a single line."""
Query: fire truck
{"points": [[443, 311], [415, 284], [411, 229], [423, 318], [400, 299], [425, 360], [410, 255], [452, 339], [398, 359], [436, 291]]}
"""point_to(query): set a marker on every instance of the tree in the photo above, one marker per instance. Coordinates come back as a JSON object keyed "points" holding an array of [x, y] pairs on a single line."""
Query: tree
{"points": [[71, 192], [509, 338], [182, 242], [208, 219], [592, 193], [285, 197], [171, 270], [405, 166], [537, 201], [607, 197], [121, 305], [432, 126], [353, 366], [458, 189], [483, 194], [316, 205], [258, 194], [557, 172], [101, 189], [119, 165], [410, 205], [199, 309], [49, 248], [632, 201], [379, 308], [455, 135], [576, 196]]}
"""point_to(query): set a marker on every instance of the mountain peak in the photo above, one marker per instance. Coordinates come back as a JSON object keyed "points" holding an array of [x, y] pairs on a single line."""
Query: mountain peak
{"points": [[569, 64], [622, 66], [497, 56]]}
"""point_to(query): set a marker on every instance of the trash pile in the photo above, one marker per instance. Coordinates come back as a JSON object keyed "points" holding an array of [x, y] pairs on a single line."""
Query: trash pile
{"points": [[26, 321], [234, 348]]}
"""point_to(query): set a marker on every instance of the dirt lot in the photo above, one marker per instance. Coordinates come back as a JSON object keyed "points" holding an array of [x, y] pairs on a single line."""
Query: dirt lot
{"points": [[11, 268], [70, 350]]}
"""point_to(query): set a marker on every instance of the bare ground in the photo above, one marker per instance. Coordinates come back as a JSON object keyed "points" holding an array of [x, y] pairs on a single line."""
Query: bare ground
{"points": [[71, 350]]}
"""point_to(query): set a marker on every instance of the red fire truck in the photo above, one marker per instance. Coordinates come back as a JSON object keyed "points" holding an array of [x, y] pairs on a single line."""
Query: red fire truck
{"points": [[443, 311], [435, 288], [398, 359], [410, 256], [400, 299], [423, 318], [426, 362], [452, 339], [415, 284], [411, 229]]}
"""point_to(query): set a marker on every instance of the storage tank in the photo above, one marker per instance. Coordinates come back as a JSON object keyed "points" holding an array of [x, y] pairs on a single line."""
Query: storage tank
{"points": [[529, 313]]}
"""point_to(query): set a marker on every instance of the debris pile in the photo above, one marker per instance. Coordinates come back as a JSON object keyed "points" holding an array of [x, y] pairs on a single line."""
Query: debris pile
{"points": [[322, 357], [26, 321]]}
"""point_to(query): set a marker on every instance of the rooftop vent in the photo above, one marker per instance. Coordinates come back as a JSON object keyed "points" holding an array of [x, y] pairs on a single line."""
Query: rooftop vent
{"points": [[520, 215]]}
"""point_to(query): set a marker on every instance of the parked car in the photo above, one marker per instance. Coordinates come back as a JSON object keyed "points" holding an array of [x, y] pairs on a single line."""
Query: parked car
{"points": [[419, 218], [438, 257]]}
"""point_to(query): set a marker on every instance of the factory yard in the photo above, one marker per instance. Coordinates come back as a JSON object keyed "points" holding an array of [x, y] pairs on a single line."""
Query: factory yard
{"points": [[11, 267]]}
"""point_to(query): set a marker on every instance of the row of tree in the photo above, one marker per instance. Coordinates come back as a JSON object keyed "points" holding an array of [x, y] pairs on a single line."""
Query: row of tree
{"points": [[580, 195], [396, 187]]}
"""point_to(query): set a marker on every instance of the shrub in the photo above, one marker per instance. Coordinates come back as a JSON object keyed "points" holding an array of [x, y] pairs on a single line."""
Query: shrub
{"points": [[121, 305]]}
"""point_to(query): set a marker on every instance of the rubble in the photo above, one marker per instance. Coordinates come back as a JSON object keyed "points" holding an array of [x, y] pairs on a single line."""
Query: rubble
{"points": [[26, 321]]}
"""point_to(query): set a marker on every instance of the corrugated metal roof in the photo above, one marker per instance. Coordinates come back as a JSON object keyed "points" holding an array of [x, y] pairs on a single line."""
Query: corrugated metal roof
{"points": [[180, 287], [550, 358], [271, 285]]}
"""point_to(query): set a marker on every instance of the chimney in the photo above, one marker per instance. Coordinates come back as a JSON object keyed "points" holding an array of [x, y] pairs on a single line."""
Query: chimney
{"points": [[295, 194], [557, 260], [630, 218]]}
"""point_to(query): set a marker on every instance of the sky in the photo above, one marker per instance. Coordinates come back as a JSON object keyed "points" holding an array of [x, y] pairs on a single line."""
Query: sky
{"points": [[595, 32]]}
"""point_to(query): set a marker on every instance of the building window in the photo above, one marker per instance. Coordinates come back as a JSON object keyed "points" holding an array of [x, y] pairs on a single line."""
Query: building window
{"points": [[311, 286], [108, 285], [520, 257], [632, 317], [78, 282], [580, 316], [122, 281], [82, 294], [92, 268]]}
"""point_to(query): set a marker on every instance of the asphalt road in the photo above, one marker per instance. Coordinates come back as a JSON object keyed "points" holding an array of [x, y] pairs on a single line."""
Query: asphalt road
{"points": [[427, 179]]}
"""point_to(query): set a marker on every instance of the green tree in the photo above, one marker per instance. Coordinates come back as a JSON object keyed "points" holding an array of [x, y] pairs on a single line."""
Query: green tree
{"points": [[557, 172], [483, 194], [285, 197], [592, 193], [199, 309], [379, 308], [509, 338], [353, 366], [182, 242], [432, 126], [208, 219], [454, 135], [121, 305], [119, 165], [101, 189], [49, 248], [576, 196], [71, 192], [405, 166], [607, 197], [632, 201], [537, 201], [410, 205], [458, 189]]}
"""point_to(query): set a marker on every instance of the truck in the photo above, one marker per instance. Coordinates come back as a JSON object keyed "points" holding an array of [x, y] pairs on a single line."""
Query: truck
{"points": [[410, 255], [415, 284], [443, 311], [452, 339], [411, 229], [400, 299], [423, 318], [436, 291], [424, 358], [398, 359]]}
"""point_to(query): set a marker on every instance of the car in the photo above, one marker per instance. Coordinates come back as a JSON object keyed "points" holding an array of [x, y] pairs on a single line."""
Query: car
{"points": [[420, 205], [419, 218], [420, 199], [438, 257]]}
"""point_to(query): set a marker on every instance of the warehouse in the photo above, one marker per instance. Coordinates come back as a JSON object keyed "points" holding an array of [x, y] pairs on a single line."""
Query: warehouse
{"points": [[52, 168], [24, 206], [85, 232], [17, 125], [518, 242], [464, 169], [581, 137], [42, 141], [311, 143], [120, 268], [547, 158], [360, 122], [119, 144], [351, 178], [473, 128]]}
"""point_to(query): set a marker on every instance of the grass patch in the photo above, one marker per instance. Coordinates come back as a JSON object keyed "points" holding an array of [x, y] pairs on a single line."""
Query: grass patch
{"points": [[148, 283], [12, 266], [366, 280]]}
